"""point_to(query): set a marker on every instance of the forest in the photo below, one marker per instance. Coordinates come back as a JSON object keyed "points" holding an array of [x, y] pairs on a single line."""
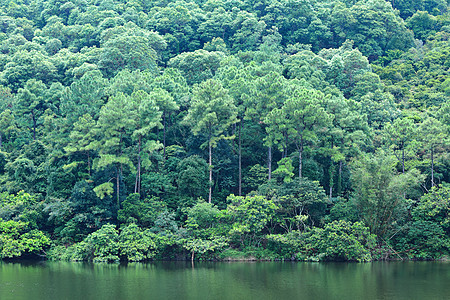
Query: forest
{"points": [[309, 130]]}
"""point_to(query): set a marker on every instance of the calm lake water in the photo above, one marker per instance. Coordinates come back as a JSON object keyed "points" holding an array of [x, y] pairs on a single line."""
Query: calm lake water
{"points": [[259, 280]]}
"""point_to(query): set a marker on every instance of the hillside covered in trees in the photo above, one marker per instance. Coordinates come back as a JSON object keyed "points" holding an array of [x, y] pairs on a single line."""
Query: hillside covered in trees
{"points": [[272, 129]]}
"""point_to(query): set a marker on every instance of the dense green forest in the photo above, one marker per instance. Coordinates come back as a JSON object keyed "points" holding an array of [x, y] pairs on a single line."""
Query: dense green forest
{"points": [[225, 129]]}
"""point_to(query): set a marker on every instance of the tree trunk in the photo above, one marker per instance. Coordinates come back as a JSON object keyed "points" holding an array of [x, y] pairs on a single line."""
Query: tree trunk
{"points": [[300, 157], [117, 187], [89, 163], [285, 145], [0, 141], [164, 135], [331, 179], [339, 184], [240, 159], [432, 167], [300, 154], [403, 160], [269, 161], [34, 126], [210, 171], [137, 185]]}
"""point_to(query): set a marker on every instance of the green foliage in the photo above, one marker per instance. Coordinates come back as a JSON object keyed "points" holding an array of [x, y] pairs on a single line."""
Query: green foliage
{"points": [[380, 192], [248, 216], [16, 240], [103, 190], [435, 207], [192, 177], [203, 215], [339, 241], [423, 240], [212, 111], [256, 176], [135, 244], [80, 215], [144, 211], [107, 108], [197, 66], [22, 207], [201, 246], [300, 202], [285, 170], [100, 246]]}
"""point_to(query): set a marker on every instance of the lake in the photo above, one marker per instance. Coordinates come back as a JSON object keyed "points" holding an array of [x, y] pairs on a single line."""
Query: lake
{"points": [[221, 280]]}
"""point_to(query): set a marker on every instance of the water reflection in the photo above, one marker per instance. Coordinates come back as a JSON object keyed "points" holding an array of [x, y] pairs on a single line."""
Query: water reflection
{"points": [[257, 280]]}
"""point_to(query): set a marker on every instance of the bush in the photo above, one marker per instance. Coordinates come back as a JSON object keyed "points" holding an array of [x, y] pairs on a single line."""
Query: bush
{"points": [[135, 244], [339, 241], [424, 240], [17, 240]]}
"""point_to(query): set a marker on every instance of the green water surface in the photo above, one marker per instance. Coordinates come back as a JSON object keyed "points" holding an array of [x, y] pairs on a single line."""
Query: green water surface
{"points": [[259, 280]]}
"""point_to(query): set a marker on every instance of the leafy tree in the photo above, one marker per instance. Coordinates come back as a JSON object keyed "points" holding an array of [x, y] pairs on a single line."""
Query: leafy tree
{"points": [[79, 215], [25, 65], [423, 240], [379, 193], [197, 66], [254, 177], [373, 25], [8, 130], [192, 177], [434, 206], [301, 202], [212, 112], [304, 117], [399, 136], [266, 93], [339, 241], [144, 212], [434, 138], [31, 102], [85, 96], [147, 117], [130, 47], [136, 244], [166, 105], [202, 217], [82, 138], [17, 240], [201, 246], [116, 122], [249, 215], [348, 136], [101, 245]]}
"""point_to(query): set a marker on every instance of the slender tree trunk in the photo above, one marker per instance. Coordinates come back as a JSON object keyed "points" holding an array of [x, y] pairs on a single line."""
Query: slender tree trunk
{"points": [[137, 185], [269, 161], [139, 179], [240, 159], [339, 187], [403, 160], [210, 171], [0, 141], [118, 187], [119, 172], [331, 180], [300, 162], [300, 157], [34, 126], [432, 167], [164, 135], [89, 163]]}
